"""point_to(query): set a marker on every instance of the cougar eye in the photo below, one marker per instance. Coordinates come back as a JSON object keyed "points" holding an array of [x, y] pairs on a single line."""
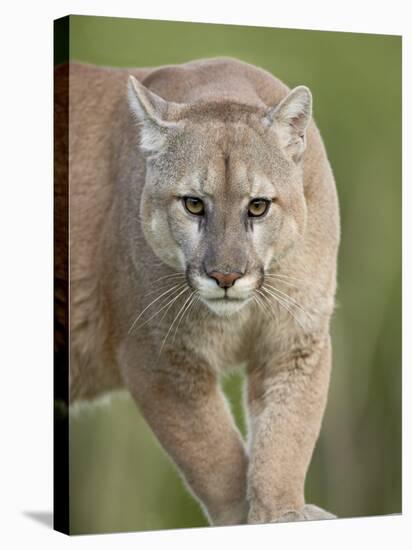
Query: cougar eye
{"points": [[257, 208], [194, 206]]}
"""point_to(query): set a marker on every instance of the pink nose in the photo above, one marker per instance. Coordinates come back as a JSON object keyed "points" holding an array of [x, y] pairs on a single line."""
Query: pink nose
{"points": [[225, 280]]}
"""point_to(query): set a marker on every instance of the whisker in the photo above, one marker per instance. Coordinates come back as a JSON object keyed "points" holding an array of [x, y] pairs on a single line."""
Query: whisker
{"points": [[285, 305], [290, 299], [177, 275], [287, 308], [283, 281], [169, 303], [172, 324], [147, 307], [195, 303], [283, 276], [265, 305], [164, 287], [183, 314], [260, 305]]}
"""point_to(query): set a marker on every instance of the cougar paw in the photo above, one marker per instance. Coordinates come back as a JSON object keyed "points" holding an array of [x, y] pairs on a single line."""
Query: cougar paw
{"points": [[308, 512]]}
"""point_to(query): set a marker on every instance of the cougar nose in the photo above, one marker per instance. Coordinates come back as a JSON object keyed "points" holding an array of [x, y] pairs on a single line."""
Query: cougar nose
{"points": [[225, 280]]}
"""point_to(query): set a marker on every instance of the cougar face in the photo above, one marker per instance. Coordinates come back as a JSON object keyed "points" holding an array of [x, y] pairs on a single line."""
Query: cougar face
{"points": [[223, 196]]}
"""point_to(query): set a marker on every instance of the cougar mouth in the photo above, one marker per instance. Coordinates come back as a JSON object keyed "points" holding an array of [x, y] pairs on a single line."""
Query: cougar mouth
{"points": [[227, 298], [225, 305]]}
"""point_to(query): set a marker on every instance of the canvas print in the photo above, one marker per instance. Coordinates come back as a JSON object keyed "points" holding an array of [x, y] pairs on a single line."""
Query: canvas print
{"points": [[227, 275]]}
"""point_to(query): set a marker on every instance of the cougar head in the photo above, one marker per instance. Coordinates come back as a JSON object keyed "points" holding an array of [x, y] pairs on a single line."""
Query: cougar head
{"points": [[223, 194]]}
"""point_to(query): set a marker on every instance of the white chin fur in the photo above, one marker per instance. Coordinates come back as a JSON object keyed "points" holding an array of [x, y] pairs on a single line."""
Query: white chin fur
{"points": [[224, 308]]}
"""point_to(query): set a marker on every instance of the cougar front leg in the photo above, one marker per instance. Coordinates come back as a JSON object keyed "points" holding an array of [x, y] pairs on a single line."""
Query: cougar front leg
{"points": [[185, 408], [286, 405]]}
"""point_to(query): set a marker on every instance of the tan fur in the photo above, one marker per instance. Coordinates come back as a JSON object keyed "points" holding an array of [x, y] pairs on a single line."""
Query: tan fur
{"points": [[215, 128]]}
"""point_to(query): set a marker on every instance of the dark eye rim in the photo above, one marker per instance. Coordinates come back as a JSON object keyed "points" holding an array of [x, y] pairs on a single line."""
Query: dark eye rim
{"points": [[259, 199], [186, 198]]}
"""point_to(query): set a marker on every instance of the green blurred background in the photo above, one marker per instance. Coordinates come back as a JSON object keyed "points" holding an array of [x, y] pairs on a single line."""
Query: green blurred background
{"points": [[120, 479]]}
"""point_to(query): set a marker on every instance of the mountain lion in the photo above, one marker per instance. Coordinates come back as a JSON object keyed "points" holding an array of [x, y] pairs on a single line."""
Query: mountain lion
{"points": [[203, 233]]}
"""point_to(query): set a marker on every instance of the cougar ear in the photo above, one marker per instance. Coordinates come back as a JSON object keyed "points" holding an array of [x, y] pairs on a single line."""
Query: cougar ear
{"points": [[150, 110], [290, 118]]}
